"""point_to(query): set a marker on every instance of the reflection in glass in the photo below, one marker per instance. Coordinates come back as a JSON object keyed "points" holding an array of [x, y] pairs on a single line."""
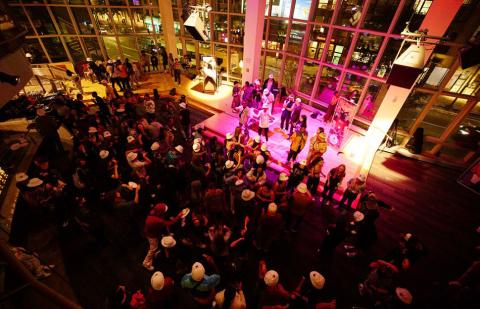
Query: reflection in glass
{"points": [[302, 9], [157, 22], [277, 35], [237, 6], [141, 19], [129, 47], [219, 5], [385, 64], [366, 51], [83, 20], [237, 27], [373, 98], [295, 40], [102, 18], [352, 87], [411, 109], [380, 14], [41, 20], [111, 47], [316, 44], [290, 72], [441, 114], [221, 57], [324, 11], [74, 48], [338, 48], [281, 8], [273, 62], [236, 55], [350, 13], [93, 48], [33, 47], [464, 138], [220, 28], [465, 81], [122, 20], [308, 77], [413, 12], [63, 19], [327, 84], [21, 20], [55, 49]]}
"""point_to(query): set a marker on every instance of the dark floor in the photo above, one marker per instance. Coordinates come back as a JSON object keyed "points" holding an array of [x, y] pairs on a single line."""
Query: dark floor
{"points": [[426, 200]]}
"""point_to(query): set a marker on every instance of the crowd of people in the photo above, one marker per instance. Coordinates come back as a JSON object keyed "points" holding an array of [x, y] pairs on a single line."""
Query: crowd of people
{"points": [[205, 206]]}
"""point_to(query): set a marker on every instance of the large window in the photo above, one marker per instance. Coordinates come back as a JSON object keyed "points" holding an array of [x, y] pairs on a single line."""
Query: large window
{"points": [[55, 49], [82, 18], [316, 43], [412, 107], [328, 84], [324, 11], [308, 77], [338, 48], [277, 34], [380, 14], [350, 13], [372, 100], [41, 20], [302, 9], [295, 40], [33, 47], [365, 53]]}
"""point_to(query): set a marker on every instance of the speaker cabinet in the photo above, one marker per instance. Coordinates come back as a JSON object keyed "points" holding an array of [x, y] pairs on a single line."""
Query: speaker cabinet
{"points": [[196, 27]]}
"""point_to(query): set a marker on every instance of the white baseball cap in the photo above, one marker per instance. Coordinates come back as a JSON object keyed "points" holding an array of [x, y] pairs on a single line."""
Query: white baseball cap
{"points": [[358, 216], [302, 188], [19, 177], [103, 154], [271, 278], [131, 156], [317, 280], [157, 280], [196, 147], [260, 159], [155, 146], [198, 271], [179, 148]]}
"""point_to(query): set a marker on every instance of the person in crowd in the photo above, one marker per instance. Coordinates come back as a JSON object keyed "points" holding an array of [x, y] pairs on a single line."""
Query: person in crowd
{"points": [[201, 285], [295, 116], [299, 140], [264, 117], [298, 173], [355, 186], [32, 263], [161, 291], [287, 112], [314, 173], [274, 295], [154, 61], [171, 63], [301, 202], [236, 95], [163, 54], [177, 71], [327, 118], [334, 180], [271, 85], [318, 145], [145, 62], [267, 99], [247, 94], [310, 293], [270, 227]]}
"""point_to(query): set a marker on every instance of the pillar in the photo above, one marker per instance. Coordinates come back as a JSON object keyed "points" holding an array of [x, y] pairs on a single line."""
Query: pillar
{"points": [[166, 12], [252, 42], [437, 21]]}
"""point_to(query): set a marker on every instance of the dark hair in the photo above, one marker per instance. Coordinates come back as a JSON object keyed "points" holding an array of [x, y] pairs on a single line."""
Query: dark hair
{"points": [[229, 295], [235, 82], [94, 94]]}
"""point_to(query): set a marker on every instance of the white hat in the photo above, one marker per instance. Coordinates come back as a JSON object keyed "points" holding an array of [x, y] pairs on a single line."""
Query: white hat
{"points": [[168, 242], [239, 182], [264, 147], [247, 195], [131, 156], [19, 177], [298, 100], [196, 147], [120, 110], [132, 185], [265, 105], [107, 134], [260, 159], [404, 295], [271, 278], [266, 91], [130, 139], [362, 177], [358, 216], [302, 187], [198, 140], [257, 82], [229, 135], [89, 59], [183, 105], [198, 271], [155, 146], [28, 55], [157, 281], [179, 148], [272, 208], [92, 130], [283, 177], [257, 139], [229, 163], [303, 162], [103, 154], [317, 280], [407, 236], [34, 182]]}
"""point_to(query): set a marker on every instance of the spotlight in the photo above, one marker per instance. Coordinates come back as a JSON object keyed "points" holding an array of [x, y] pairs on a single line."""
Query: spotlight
{"points": [[10, 79]]}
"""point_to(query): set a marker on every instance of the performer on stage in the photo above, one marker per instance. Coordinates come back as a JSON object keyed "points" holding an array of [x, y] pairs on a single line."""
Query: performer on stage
{"points": [[209, 72]]}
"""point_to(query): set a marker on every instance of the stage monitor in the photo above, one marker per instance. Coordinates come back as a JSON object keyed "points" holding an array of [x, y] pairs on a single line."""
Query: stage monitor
{"points": [[196, 27]]}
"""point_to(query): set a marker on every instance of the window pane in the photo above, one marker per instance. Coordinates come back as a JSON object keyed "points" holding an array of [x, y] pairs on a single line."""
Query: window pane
{"points": [[237, 28], [411, 109], [465, 81], [129, 47], [414, 12], [350, 13], [237, 6], [117, 2], [221, 52], [157, 22], [93, 48], [308, 77], [122, 20], [290, 72], [83, 20], [281, 8], [302, 9], [324, 11], [366, 51], [352, 87], [33, 47], [63, 19], [179, 46], [220, 28], [236, 55], [97, 2], [219, 5], [21, 19], [113, 51], [76, 1], [338, 48], [140, 18], [273, 64], [277, 35], [385, 64], [380, 14], [327, 84], [146, 43], [142, 2], [316, 43], [441, 114], [295, 41], [467, 136], [102, 18], [41, 20], [55, 49], [74, 48], [375, 93], [204, 49]]}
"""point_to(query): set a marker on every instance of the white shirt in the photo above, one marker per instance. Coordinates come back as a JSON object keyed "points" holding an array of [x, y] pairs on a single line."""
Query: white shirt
{"points": [[150, 107], [264, 119]]}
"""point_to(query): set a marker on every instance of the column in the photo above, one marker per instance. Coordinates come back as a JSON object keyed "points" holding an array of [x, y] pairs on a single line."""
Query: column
{"points": [[437, 20], [166, 12], [252, 46]]}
